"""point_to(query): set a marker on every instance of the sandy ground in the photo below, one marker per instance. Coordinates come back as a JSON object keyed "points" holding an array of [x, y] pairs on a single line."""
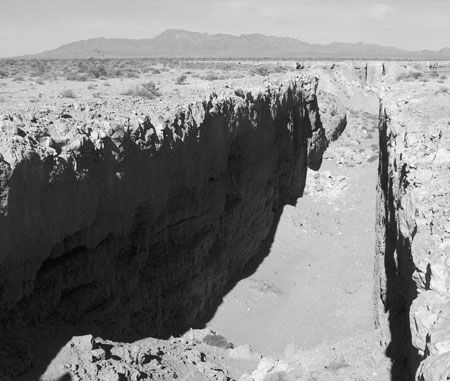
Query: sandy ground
{"points": [[315, 286]]}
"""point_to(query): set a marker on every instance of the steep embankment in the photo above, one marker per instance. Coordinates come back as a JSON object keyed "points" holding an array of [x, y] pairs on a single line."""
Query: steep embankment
{"points": [[131, 232], [413, 232]]}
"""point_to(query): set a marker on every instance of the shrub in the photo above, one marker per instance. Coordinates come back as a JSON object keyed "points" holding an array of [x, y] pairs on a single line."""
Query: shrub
{"points": [[132, 74], [67, 94], [443, 90], [409, 76], [117, 72], [40, 69], [181, 80], [260, 70], [75, 76], [210, 76], [280, 69], [434, 74], [97, 71], [215, 340], [147, 90]]}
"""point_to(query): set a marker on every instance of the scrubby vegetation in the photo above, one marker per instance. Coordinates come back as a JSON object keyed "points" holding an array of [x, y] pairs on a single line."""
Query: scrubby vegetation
{"points": [[217, 341], [210, 76], [181, 80], [424, 76], [99, 69], [409, 76], [67, 94], [146, 90], [443, 90], [77, 69]]}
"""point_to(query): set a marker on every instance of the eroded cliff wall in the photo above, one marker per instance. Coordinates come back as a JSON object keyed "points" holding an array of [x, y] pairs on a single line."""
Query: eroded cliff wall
{"points": [[413, 235], [136, 232]]}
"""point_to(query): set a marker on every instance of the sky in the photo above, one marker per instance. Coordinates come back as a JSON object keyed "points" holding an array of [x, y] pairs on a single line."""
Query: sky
{"points": [[32, 26]]}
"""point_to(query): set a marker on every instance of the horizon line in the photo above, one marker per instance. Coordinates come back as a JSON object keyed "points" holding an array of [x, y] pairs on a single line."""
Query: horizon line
{"points": [[229, 34]]}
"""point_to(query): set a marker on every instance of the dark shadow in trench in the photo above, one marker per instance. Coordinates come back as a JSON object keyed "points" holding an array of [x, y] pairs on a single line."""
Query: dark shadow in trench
{"points": [[398, 267], [55, 334], [28, 348], [249, 269], [401, 291]]}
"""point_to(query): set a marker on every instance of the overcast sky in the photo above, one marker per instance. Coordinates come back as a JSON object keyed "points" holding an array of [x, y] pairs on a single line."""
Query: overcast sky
{"points": [[32, 26]]}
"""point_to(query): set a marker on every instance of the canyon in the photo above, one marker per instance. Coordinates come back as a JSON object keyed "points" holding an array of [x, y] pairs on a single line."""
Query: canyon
{"points": [[127, 224]]}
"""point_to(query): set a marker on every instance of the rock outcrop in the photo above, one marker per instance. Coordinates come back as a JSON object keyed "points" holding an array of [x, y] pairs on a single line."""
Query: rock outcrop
{"points": [[413, 231], [197, 355], [135, 231]]}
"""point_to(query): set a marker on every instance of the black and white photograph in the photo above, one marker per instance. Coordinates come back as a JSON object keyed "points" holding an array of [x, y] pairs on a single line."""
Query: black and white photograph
{"points": [[225, 190]]}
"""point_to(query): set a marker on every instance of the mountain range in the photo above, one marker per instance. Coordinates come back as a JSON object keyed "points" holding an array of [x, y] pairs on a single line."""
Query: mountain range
{"points": [[175, 43]]}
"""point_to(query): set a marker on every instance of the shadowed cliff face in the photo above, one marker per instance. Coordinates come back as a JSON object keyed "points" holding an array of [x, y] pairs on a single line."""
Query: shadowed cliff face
{"points": [[412, 271], [137, 232], [394, 285]]}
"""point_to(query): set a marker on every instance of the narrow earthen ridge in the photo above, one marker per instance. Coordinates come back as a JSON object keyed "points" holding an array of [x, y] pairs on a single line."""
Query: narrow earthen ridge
{"points": [[136, 232], [413, 238]]}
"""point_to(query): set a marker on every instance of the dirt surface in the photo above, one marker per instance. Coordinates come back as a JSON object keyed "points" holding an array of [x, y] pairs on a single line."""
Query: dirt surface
{"points": [[319, 270]]}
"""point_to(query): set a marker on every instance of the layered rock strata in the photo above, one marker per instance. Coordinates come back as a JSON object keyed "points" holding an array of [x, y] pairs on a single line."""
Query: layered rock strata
{"points": [[413, 236], [132, 231]]}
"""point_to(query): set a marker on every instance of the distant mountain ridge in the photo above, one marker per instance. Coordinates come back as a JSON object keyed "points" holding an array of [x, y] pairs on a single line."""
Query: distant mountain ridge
{"points": [[174, 43]]}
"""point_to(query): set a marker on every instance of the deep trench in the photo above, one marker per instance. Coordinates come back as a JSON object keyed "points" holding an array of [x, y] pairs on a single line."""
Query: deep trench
{"points": [[323, 245], [395, 303]]}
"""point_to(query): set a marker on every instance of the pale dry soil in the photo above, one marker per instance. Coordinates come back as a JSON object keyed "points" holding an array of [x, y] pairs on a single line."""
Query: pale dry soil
{"points": [[315, 286]]}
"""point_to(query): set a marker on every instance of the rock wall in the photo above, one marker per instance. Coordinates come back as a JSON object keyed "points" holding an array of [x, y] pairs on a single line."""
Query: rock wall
{"points": [[136, 232], [413, 237]]}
